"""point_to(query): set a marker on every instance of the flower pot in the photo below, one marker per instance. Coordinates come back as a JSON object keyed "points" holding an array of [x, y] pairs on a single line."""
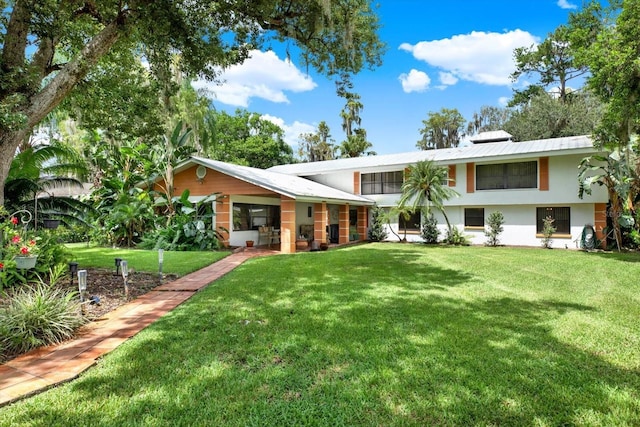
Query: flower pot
{"points": [[26, 262], [301, 244], [249, 243]]}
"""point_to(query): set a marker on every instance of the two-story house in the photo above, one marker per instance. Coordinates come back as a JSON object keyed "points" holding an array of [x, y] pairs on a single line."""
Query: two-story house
{"points": [[331, 200]]}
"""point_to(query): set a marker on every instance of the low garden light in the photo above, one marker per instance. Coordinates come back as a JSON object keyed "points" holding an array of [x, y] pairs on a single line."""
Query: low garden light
{"points": [[118, 261], [124, 266], [160, 262], [73, 270], [82, 283]]}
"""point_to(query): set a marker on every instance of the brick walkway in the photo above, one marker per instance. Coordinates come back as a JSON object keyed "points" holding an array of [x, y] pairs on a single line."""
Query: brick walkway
{"points": [[46, 367]]}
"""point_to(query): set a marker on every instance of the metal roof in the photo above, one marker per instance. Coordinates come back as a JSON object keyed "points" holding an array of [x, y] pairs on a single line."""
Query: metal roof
{"points": [[490, 151], [491, 136], [291, 186]]}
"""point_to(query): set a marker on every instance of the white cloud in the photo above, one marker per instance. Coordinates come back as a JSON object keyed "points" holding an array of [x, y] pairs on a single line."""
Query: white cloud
{"points": [[564, 4], [447, 79], [415, 81], [291, 132], [503, 101], [479, 57], [263, 75]]}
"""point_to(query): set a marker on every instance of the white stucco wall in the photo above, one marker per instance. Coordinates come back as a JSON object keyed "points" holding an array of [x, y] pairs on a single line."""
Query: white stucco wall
{"points": [[519, 226]]}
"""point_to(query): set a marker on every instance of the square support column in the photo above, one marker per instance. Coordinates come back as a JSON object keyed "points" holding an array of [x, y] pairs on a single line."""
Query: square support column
{"points": [[320, 222], [363, 222], [287, 225], [343, 221], [223, 217]]}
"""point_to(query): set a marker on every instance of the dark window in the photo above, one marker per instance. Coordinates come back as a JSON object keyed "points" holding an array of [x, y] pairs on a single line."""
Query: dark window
{"points": [[507, 176], [250, 217], [411, 223], [561, 216], [381, 182], [474, 217]]}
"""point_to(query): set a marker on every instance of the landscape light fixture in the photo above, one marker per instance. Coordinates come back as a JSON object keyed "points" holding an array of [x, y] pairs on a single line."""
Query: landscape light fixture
{"points": [[160, 262], [124, 266], [118, 261], [73, 269], [82, 283]]}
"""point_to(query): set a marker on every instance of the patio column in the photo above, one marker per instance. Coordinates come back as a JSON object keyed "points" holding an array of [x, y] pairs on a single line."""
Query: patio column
{"points": [[320, 221], [600, 221], [223, 217], [287, 225], [363, 222], [343, 221]]}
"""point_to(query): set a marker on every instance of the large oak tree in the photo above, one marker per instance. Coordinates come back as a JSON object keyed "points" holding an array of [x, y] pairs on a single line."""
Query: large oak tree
{"points": [[50, 46]]}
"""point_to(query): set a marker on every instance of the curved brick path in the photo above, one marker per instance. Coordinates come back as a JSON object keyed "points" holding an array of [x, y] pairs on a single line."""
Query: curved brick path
{"points": [[46, 367]]}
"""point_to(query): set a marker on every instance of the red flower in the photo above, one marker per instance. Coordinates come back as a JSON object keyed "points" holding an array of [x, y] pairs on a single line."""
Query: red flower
{"points": [[14, 220], [1, 266], [16, 239], [32, 242], [24, 250]]}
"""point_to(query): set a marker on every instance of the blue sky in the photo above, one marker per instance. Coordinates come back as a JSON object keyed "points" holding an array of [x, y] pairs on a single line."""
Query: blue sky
{"points": [[440, 54]]}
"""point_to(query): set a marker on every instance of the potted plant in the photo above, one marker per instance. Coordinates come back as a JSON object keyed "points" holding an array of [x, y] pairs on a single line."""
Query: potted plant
{"points": [[23, 250], [249, 243]]}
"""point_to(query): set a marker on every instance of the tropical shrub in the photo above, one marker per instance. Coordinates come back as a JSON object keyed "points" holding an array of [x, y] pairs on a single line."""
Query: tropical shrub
{"points": [[547, 231], [377, 231], [38, 315], [495, 223], [430, 230], [456, 237]]}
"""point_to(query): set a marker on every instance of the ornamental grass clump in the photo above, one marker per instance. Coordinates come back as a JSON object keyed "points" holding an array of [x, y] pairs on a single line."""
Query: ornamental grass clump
{"points": [[38, 315]]}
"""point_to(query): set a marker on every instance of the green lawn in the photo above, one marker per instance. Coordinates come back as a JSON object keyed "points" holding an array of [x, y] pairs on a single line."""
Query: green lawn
{"points": [[379, 335], [179, 263]]}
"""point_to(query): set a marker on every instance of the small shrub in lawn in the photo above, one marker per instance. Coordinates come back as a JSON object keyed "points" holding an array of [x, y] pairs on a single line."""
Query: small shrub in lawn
{"points": [[495, 223], [456, 237], [38, 315], [547, 231], [430, 230], [377, 232]]}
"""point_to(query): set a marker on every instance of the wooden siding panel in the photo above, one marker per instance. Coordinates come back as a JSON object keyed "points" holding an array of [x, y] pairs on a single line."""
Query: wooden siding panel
{"points": [[215, 182], [544, 174], [356, 183], [452, 175], [471, 177]]}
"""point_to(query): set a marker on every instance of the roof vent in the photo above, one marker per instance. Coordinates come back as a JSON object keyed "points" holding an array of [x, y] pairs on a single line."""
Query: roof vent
{"points": [[491, 136]]}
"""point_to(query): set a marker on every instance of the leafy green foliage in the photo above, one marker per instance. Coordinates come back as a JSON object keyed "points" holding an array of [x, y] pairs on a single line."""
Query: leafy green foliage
{"points": [[547, 232], [430, 232], [442, 129], [246, 139], [38, 315], [377, 231], [495, 223], [456, 237], [318, 146]]}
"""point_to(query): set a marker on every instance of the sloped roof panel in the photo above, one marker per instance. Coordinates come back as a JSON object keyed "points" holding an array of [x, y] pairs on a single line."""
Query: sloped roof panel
{"points": [[284, 184], [475, 153]]}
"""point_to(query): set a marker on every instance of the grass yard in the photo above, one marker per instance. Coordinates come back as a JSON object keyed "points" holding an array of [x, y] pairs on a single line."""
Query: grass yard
{"points": [[379, 335], [179, 263]]}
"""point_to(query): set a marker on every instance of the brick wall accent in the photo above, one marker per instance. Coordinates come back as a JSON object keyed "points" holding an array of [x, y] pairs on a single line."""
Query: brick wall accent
{"points": [[287, 225], [452, 175], [600, 221], [356, 183], [544, 174], [363, 221], [471, 178], [343, 215], [223, 217], [320, 221]]}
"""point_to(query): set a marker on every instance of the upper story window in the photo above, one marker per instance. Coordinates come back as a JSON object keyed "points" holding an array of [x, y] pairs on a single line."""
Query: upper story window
{"points": [[507, 176], [382, 182]]}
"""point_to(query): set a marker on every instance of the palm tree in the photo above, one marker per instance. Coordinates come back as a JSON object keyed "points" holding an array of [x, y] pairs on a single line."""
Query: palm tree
{"points": [[425, 185], [41, 168]]}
